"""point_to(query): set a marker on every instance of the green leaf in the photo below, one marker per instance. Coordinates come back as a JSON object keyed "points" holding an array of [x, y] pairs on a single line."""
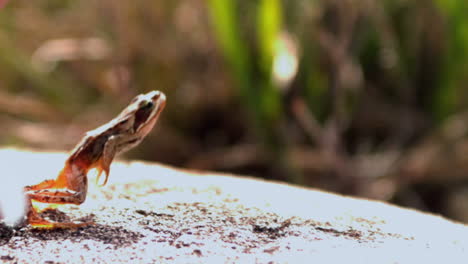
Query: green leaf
{"points": [[268, 28]]}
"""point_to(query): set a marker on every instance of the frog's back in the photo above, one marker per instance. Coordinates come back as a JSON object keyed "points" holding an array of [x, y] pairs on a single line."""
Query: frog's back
{"points": [[88, 150]]}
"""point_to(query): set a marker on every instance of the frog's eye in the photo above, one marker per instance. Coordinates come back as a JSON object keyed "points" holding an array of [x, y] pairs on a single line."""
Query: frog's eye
{"points": [[146, 105], [149, 104]]}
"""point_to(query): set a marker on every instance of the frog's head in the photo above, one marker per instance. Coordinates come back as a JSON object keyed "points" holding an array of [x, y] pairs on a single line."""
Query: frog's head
{"points": [[139, 117], [145, 110]]}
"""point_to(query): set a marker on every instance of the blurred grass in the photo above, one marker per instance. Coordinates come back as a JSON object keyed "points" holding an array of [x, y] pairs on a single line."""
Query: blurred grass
{"points": [[455, 63], [361, 97], [256, 90]]}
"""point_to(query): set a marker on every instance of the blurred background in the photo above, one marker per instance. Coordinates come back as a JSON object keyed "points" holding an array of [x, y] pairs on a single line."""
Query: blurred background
{"points": [[361, 97]]}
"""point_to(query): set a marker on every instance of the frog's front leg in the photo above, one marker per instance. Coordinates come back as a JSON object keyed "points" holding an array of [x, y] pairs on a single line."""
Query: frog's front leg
{"points": [[108, 154]]}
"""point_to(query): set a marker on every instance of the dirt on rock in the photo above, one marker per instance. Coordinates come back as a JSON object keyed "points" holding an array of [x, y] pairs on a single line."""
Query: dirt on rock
{"points": [[155, 218]]}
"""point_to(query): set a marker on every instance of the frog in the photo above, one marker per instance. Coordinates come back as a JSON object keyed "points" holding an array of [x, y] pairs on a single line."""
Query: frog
{"points": [[96, 150]]}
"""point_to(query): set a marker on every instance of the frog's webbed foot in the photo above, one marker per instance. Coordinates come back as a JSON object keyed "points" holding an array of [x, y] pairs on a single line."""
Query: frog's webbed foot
{"points": [[46, 224], [36, 220]]}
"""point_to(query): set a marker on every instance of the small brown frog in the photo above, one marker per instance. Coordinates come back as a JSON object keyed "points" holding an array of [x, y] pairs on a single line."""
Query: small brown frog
{"points": [[97, 149]]}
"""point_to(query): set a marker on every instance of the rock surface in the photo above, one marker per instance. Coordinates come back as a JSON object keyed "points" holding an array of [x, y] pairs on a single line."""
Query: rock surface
{"points": [[149, 213]]}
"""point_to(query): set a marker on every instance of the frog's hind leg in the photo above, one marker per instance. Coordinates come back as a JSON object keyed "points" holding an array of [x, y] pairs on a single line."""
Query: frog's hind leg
{"points": [[52, 196], [59, 182], [47, 184]]}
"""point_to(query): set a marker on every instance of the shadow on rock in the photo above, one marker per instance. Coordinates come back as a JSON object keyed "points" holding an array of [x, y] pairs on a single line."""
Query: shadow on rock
{"points": [[6, 233], [116, 236]]}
